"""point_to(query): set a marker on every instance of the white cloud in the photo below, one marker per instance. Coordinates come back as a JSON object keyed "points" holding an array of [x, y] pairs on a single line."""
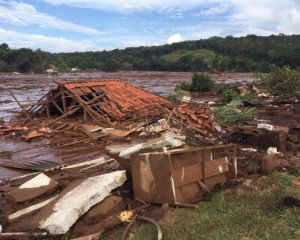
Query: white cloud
{"points": [[52, 44], [19, 13], [222, 8], [129, 4], [131, 7], [264, 15], [280, 16], [174, 38]]}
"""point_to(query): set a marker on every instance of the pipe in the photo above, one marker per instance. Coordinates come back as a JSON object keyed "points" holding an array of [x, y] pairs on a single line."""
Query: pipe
{"points": [[146, 219]]}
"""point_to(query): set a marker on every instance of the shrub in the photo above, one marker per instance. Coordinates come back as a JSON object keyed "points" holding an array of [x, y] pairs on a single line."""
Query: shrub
{"points": [[183, 86], [200, 82], [229, 95], [175, 96], [282, 81]]}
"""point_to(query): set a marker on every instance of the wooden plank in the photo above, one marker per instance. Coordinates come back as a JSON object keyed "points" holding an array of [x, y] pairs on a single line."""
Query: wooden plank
{"points": [[216, 167], [30, 209], [187, 174]]}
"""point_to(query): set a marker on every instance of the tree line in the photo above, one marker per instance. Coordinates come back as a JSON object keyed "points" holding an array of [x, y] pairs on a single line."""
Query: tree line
{"points": [[242, 54]]}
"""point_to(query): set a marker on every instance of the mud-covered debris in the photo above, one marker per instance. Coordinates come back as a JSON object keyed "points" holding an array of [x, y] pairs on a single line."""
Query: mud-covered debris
{"points": [[30, 209], [167, 140], [35, 187], [109, 206]]}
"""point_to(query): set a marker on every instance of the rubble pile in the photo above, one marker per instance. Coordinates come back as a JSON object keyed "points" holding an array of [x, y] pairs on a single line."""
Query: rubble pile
{"points": [[198, 119], [154, 152], [275, 126]]}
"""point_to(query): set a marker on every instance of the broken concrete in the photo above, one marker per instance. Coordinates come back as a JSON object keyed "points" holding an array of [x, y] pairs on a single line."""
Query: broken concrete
{"points": [[73, 204]]}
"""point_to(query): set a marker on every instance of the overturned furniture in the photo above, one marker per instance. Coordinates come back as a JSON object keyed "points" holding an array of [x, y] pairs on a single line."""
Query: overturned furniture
{"points": [[182, 176]]}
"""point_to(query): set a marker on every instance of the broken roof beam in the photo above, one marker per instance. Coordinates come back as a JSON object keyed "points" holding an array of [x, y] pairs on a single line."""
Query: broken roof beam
{"points": [[62, 116], [22, 108], [90, 111]]}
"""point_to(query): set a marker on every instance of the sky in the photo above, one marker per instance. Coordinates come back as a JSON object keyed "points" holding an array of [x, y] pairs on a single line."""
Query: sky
{"points": [[96, 25]]}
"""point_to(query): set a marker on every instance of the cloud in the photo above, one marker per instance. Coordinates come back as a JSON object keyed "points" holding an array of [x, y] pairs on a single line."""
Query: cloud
{"points": [[128, 7], [222, 8], [19, 13], [53, 44], [128, 4], [281, 16], [174, 38]]}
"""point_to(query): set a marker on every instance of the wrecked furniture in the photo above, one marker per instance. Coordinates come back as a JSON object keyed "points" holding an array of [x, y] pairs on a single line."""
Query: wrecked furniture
{"points": [[182, 176]]}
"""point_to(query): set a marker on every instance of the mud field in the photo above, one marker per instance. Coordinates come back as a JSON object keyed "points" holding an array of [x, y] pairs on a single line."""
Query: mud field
{"points": [[31, 87]]}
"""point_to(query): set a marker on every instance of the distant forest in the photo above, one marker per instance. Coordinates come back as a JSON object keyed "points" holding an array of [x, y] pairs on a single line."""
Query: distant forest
{"points": [[237, 54]]}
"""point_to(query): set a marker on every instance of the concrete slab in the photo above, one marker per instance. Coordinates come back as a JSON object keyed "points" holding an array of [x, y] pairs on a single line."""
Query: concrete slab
{"points": [[73, 204]]}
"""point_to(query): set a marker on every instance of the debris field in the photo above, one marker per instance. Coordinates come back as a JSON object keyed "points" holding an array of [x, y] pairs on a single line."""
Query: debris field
{"points": [[146, 152]]}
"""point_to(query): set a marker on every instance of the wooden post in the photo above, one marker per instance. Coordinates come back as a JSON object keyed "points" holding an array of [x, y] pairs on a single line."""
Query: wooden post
{"points": [[48, 108], [20, 105], [64, 101]]}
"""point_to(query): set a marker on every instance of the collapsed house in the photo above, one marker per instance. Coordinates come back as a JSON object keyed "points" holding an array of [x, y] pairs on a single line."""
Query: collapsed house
{"points": [[169, 152], [111, 103], [105, 101]]}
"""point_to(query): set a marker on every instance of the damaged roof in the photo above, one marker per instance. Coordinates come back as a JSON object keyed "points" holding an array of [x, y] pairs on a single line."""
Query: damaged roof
{"points": [[120, 99]]}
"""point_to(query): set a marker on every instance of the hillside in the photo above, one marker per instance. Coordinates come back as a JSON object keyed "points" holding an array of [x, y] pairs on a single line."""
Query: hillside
{"points": [[244, 54]]}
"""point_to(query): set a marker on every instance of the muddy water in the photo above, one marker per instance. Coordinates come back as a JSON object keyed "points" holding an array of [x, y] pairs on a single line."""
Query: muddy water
{"points": [[31, 87]]}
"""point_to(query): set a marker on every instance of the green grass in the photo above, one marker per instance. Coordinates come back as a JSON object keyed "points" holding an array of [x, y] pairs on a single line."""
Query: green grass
{"points": [[250, 213], [207, 55]]}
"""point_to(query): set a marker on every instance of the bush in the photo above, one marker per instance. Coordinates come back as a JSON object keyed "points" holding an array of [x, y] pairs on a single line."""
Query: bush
{"points": [[175, 96], [229, 95], [282, 81], [183, 86], [200, 82]]}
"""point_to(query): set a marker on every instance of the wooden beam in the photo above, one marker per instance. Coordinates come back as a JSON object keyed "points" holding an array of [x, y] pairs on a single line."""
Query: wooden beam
{"points": [[58, 107], [62, 116], [92, 113]]}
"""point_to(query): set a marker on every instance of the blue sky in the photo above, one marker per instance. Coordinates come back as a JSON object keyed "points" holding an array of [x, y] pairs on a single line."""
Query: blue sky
{"points": [[91, 25]]}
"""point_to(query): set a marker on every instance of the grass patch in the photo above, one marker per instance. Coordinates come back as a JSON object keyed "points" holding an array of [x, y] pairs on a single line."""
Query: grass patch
{"points": [[251, 213], [230, 113]]}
